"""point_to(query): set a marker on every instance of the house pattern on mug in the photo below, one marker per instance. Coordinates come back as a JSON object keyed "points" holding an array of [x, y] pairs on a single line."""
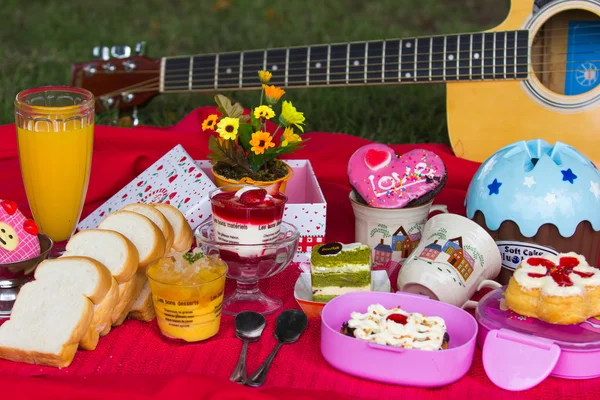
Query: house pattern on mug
{"points": [[452, 253], [402, 242]]}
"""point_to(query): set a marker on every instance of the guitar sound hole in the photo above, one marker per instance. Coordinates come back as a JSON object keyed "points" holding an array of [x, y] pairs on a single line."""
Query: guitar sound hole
{"points": [[565, 52]]}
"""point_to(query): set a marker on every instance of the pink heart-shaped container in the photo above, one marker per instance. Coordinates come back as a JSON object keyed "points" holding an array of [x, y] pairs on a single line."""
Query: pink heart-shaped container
{"points": [[397, 365]]}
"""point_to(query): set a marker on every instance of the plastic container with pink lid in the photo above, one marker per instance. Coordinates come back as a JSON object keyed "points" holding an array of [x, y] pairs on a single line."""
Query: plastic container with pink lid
{"points": [[520, 352], [396, 365]]}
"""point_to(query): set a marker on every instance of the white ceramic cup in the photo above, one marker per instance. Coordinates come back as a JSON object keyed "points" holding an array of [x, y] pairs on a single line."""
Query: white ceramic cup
{"points": [[455, 258], [392, 233]]}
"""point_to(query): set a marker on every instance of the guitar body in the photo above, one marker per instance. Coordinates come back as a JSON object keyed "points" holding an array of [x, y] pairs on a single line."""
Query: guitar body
{"points": [[485, 116]]}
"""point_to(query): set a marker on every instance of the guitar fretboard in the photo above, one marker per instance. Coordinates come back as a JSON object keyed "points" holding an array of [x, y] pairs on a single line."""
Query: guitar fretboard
{"points": [[467, 57]]}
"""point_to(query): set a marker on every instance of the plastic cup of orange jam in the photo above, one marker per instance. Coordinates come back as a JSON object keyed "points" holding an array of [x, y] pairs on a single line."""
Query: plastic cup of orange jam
{"points": [[188, 296]]}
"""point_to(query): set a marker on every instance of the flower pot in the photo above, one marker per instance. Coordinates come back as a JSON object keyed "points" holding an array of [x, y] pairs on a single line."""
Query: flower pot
{"points": [[220, 180]]}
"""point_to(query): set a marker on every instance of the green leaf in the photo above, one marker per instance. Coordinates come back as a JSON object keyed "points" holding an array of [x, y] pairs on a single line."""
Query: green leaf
{"points": [[279, 151], [244, 136], [254, 122], [227, 109]]}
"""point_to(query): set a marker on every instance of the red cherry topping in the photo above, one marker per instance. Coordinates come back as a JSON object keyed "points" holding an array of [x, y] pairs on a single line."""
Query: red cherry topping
{"points": [[568, 262], [255, 196], [584, 274], [537, 261], [535, 275], [398, 318], [30, 227], [9, 206]]}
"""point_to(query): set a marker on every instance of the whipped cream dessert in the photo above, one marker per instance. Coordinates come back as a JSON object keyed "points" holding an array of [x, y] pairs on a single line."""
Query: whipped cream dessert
{"points": [[396, 327], [248, 216]]}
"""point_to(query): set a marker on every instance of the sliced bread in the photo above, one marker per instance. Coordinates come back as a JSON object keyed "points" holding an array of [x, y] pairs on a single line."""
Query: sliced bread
{"points": [[183, 235], [53, 313], [102, 320], [110, 248], [141, 231], [121, 257], [128, 294], [156, 217], [143, 308]]}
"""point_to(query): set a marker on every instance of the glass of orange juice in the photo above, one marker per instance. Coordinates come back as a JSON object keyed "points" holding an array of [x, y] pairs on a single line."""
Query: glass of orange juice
{"points": [[55, 132], [187, 292]]}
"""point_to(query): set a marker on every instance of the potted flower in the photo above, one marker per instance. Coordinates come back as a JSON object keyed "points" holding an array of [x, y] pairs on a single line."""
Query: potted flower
{"points": [[242, 150]]}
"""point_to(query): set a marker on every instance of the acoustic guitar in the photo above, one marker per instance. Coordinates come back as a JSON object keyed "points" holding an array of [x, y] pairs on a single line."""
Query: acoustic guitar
{"points": [[533, 76]]}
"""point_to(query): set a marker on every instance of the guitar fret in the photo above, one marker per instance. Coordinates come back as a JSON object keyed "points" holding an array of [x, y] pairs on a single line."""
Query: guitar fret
{"points": [[430, 56], [176, 73], [476, 56], [265, 60], [383, 63], [450, 58], [400, 60], [415, 57], [203, 73], [437, 58], [298, 70], [191, 75], [505, 50], [457, 56], [217, 71], [357, 71], [276, 64], [318, 55], [515, 55], [241, 68], [423, 58], [489, 55], [374, 62], [328, 62], [337, 63], [408, 59], [366, 59], [483, 56], [287, 64], [471, 56], [445, 47], [347, 62], [522, 46], [464, 61], [163, 72], [308, 68], [390, 64], [494, 58], [252, 61]]}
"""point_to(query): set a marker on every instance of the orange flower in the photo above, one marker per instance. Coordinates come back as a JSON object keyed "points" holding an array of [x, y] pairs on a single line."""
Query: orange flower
{"points": [[260, 142], [210, 122], [273, 93]]}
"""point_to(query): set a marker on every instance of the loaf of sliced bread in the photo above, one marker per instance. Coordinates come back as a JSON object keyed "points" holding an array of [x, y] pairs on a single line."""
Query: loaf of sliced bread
{"points": [[121, 258], [143, 308], [102, 320], [53, 313], [128, 294], [183, 235], [141, 231], [155, 216]]}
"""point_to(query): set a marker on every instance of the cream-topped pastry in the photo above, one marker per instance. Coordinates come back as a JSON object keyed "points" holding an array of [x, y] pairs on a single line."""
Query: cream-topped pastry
{"points": [[396, 327], [562, 289]]}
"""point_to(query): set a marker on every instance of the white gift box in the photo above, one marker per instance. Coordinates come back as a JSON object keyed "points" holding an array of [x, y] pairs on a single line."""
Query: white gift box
{"points": [[184, 183]]}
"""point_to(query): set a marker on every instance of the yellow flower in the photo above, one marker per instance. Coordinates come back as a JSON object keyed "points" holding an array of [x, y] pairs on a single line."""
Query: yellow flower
{"points": [[210, 122], [228, 128], [265, 112], [289, 116], [260, 142], [290, 137], [264, 76], [273, 93]]}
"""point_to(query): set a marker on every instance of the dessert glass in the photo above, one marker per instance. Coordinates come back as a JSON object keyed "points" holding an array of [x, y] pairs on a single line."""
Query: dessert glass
{"points": [[188, 297], [248, 263]]}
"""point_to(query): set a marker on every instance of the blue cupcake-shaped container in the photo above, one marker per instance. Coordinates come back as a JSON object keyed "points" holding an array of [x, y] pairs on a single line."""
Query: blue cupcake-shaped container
{"points": [[535, 199]]}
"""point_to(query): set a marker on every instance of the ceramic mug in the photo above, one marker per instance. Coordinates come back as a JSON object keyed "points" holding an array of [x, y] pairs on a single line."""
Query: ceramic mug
{"points": [[454, 259], [392, 233]]}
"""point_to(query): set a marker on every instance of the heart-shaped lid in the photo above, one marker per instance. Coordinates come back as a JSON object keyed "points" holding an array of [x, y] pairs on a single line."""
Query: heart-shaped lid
{"points": [[385, 180]]}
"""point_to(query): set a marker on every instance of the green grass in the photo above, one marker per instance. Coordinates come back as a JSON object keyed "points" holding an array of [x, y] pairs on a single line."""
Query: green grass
{"points": [[41, 38]]}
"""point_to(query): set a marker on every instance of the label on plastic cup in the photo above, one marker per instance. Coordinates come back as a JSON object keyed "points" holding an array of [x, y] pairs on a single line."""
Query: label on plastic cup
{"points": [[238, 233]]}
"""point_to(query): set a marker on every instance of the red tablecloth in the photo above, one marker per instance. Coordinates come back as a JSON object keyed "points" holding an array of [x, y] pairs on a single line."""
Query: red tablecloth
{"points": [[134, 362]]}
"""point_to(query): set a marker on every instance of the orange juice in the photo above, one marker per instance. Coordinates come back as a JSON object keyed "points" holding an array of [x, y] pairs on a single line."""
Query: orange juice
{"points": [[56, 167], [188, 295], [55, 132]]}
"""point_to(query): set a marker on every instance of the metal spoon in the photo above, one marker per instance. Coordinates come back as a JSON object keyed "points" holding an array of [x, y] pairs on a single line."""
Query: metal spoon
{"points": [[248, 327], [290, 325]]}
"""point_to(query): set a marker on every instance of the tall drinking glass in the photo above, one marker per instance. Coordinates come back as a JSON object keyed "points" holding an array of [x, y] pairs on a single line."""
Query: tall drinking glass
{"points": [[55, 132]]}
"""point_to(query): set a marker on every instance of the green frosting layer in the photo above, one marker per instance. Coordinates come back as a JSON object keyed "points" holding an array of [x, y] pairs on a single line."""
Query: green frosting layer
{"points": [[361, 255], [345, 279], [323, 298]]}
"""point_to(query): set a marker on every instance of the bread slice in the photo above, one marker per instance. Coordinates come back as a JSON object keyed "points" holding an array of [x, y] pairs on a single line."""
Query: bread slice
{"points": [[121, 257], [110, 248], [53, 313], [102, 320], [156, 217], [141, 231], [143, 308], [128, 294], [184, 236]]}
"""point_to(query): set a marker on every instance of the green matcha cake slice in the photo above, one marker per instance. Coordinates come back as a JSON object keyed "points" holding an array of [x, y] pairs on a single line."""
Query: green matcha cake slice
{"points": [[339, 268]]}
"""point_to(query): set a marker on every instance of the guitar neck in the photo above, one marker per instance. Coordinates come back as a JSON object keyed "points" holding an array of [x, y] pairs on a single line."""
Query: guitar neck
{"points": [[465, 57]]}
